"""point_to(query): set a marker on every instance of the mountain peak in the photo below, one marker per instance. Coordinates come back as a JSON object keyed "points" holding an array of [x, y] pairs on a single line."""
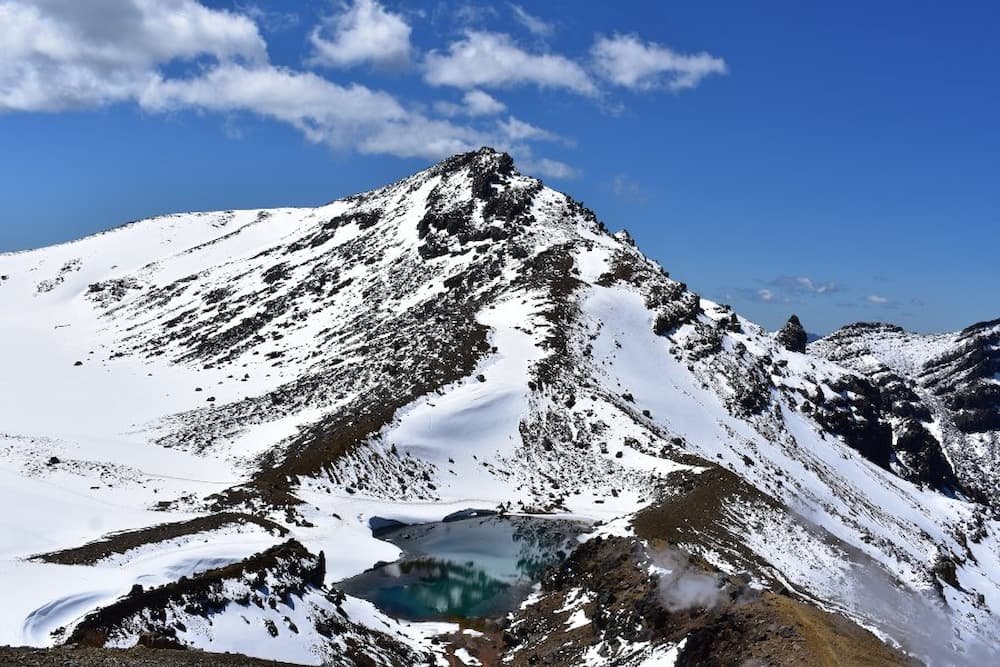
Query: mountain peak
{"points": [[465, 333], [485, 158]]}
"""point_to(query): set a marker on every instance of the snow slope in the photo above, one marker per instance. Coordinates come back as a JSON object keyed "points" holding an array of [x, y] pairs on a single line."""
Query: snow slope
{"points": [[465, 337]]}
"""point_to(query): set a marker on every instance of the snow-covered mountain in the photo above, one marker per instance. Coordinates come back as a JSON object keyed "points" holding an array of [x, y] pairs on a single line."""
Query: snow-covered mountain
{"points": [[941, 393], [200, 413]]}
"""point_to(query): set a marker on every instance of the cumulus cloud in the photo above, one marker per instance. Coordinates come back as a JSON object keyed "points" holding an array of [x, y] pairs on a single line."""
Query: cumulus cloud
{"points": [[531, 23], [61, 54], [343, 117], [548, 168], [418, 136], [474, 103], [630, 62], [516, 130], [478, 103], [805, 285], [172, 56], [322, 110], [365, 32], [58, 55], [487, 59]]}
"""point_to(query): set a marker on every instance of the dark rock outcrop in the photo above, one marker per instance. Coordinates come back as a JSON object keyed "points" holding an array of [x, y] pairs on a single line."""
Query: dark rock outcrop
{"points": [[792, 336], [945, 378], [921, 453], [965, 376], [856, 415]]}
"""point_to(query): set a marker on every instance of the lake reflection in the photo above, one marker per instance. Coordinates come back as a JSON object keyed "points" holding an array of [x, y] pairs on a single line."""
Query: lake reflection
{"points": [[473, 568]]}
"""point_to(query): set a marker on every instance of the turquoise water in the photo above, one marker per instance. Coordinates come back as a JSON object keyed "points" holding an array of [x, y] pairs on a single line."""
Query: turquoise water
{"points": [[472, 568]]}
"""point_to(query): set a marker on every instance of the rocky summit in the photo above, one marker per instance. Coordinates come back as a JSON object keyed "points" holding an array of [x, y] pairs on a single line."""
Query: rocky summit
{"points": [[206, 418]]}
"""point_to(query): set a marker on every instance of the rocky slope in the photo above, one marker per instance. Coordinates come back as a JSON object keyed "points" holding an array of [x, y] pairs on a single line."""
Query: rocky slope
{"points": [[942, 394], [204, 411]]}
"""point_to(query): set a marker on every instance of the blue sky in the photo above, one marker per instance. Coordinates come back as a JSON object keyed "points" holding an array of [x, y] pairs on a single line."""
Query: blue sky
{"points": [[838, 160]]}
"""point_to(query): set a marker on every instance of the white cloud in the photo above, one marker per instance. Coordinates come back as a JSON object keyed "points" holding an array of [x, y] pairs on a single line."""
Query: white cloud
{"points": [[489, 59], [516, 130], [757, 295], [806, 285], [626, 189], [486, 59], [474, 103], [788, 289], [343, 117], [270, 20], [547, 168], [469, 14], [766, 295], [61, 54], [418, 136], [172, 56], [881, 302], [479, 103], [627, 61], [322, 110], [363, 33], [531, 23]]}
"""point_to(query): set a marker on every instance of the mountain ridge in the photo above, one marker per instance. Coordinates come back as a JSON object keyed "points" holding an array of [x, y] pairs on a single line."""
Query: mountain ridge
{"points": [[468, 337]]}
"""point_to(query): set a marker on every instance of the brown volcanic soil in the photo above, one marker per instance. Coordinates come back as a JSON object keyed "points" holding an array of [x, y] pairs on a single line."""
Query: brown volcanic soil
{"points": [[777, 630], [137, 657], [121, 542], [743, 627]]}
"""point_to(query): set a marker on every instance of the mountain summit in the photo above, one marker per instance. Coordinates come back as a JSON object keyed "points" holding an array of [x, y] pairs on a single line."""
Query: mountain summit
{"points": [[206, 414]]}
